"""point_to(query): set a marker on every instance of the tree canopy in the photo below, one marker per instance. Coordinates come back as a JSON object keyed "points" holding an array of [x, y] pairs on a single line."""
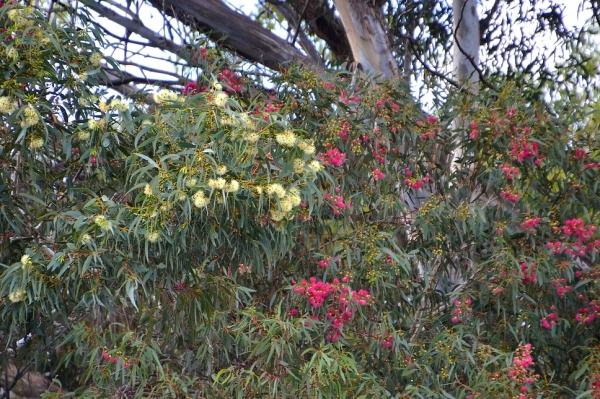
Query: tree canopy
{"points": [[320, 236]]}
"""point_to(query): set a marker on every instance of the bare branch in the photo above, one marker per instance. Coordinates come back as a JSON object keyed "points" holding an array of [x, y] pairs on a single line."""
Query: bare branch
{"points": [[244, 35], [429, 69], [155, 39], [292, 17]]}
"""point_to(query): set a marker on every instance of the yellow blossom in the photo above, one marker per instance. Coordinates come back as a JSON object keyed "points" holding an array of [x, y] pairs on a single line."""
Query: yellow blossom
{"points": [[17, 295], [152, 236], [220, 99], [232, 186]]}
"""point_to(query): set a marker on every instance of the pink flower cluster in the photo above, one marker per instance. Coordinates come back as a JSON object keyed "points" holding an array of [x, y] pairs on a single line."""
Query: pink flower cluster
{"points": [[332, 157], [328, 85], [595, 387], [511, 195], [578, 228], [510, 171], [413, 182], [474, 133], [343, 132], [327, 261], [520, 371], [529, 275], [343, 301], [378, 175], [387, 341], [529, 225], [427, 135], [521, 148], [561, 287], [231, 80], [191, 88], [431, 132], [379, 153], [548, 322], [587, 314], [114, 359], [462, 309], [338, 203], [395, 107], [583, 235]]}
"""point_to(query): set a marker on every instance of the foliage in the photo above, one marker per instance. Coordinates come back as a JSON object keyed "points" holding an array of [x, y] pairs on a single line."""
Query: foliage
{"points": [[325, 239]]}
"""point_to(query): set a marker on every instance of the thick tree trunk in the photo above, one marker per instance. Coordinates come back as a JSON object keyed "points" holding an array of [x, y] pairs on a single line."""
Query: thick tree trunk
{"points": [[26, 384], [368, 37], [466, 42]]}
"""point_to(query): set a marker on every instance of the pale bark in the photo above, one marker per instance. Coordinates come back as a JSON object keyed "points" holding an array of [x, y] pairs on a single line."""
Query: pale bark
{"points": [[466, 42], [368, 37]]}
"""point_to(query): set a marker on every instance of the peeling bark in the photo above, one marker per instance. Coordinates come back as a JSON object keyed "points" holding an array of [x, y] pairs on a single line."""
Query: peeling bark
{"points": [[368, 37]]}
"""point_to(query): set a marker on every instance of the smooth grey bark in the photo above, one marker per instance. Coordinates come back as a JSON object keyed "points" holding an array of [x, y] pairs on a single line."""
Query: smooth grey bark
{"points": [[466, 42]]}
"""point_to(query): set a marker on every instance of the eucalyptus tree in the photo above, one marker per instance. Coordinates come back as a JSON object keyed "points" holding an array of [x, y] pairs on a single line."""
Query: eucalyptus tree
{"points": [[224, 236]]}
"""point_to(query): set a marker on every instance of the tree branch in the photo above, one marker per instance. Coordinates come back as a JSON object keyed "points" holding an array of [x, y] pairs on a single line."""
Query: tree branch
{"points": [[244, 35], [429, 69], [155, 39], [290, 15]]}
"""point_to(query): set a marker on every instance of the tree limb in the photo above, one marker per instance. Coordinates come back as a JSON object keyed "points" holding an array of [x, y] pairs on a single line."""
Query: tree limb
{"points": [[155, 39], [228, 27]]}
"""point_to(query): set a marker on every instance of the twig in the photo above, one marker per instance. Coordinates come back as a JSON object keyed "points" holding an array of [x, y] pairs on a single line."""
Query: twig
{"points": [[427, 67], [299, 22]]}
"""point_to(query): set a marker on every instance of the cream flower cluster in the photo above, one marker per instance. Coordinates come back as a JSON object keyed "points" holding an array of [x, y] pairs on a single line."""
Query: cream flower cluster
{"points": [[287, 201], [119, 105], [298, 165], [287, 138], [165, 95], [101, 222], [153, 236], [221, 170], [315, 166], [220, 98], [306, 146], [191, 182], [84, 135], [17, 295], [19, 16], [36, 143], [86, 239], [199, 199], [31, 117], [231, 186], [246, 120], [96, 59], [7, 105], [252, 137], [218, 184], [26, 262]]}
